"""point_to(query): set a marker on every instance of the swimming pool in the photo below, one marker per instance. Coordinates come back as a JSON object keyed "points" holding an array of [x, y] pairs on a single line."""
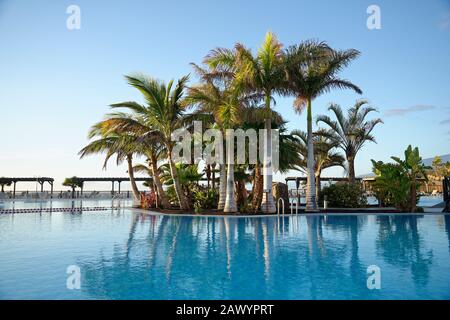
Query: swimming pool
{"points": [[63, 203], [123, 254]]}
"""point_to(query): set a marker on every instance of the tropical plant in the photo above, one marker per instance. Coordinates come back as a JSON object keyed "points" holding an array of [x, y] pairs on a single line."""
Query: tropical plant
{"points": [[113, 142], [439, 169], [391, 187], [351, 132], [241, 178], [312, 69], [224, 99], [161, 115], [397, 183], [4, 183], [325, 155], [187, 174], [212, 97], [262, 74], [73, 183], [414, 170], [204, 199], [288, 148], [154, 151], [149, 183]]}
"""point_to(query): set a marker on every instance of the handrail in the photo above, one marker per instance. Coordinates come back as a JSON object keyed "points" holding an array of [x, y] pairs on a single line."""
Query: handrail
{"points": [[296, 206]]}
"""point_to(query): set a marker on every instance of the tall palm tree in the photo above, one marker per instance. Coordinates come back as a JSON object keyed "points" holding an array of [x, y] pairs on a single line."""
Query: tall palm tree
{"points": [[312, 69], [263, 74], [162, 114], [254, 118], [324, 154], [229, 115], [210, 97], [351, 132], [221, 97], [113, 142]]}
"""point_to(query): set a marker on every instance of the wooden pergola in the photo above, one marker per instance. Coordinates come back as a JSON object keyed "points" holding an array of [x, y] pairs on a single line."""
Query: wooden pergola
{"points": [[40, 180], [112, 180], [115, 179]]}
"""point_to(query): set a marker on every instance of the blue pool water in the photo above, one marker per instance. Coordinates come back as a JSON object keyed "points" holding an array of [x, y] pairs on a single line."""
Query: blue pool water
{"points": [[127, 255], [58, 203]]}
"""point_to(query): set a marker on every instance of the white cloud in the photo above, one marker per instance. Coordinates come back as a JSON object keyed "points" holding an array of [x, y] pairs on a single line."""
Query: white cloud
{"points": [[403, 111], [445, 22]]}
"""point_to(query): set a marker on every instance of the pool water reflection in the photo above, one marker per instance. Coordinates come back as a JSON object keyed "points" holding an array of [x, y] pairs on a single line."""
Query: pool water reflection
{"points": [[127, 255]]}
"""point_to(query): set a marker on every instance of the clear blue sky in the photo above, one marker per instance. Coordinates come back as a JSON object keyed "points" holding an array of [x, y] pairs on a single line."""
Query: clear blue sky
{"points": [[55, 83]]}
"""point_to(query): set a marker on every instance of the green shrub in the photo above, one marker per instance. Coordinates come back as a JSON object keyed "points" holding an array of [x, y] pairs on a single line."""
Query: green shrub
{"points": [[392, 186], [397, 183], [344, 195], [205, 199]]}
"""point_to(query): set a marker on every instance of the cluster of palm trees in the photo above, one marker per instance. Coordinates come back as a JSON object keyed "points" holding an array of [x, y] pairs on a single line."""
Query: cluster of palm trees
{"points": [[237, 88]]}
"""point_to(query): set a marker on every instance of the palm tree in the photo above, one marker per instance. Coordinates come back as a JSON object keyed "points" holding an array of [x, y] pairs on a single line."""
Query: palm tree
{"points": [[262, 74], [229, 115], [220, 97], [254, 118], [125, 142], [73, 183], [210, 98], [113, 142], [324, 154], [352, 131], [5, 183], [312, 69], [241, 177], [153, 152], [162, 114]]}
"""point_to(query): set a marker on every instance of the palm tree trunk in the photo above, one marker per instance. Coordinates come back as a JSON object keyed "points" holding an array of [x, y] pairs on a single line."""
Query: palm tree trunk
{"points": [[257, 189], [176, 182], [318, 186], [134, 188], [208, 175], [230, 201], [267, 204], [311, 204], [222, 186], [241, 193], [162, 195], [213, 178], [351, 169]]}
